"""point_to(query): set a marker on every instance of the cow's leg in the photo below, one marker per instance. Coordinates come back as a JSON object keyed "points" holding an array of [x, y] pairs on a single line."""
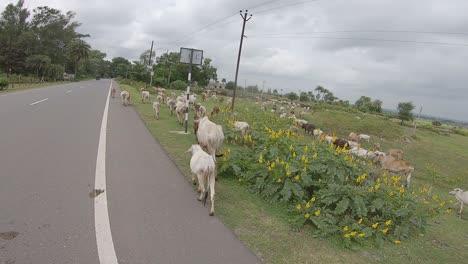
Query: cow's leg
{"points": [[201, 186], [211, 180], [194, 181], [408, 180], [461, 207]]}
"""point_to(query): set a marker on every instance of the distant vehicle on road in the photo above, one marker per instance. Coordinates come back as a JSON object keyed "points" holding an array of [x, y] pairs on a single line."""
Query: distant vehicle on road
{"points": [[98, 78]]}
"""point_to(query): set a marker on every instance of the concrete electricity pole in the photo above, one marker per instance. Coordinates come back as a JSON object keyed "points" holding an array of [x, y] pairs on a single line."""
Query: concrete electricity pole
{"points": [[245, 18], [149, 66]]}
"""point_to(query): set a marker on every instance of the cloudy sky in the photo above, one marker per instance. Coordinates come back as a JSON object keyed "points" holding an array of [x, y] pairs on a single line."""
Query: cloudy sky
{"points": [[342, 45]]}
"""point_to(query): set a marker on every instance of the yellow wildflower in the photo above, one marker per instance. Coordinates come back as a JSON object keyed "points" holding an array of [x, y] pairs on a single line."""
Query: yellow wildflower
{"points": [[317, 213], [291, 148], [298, 207], [402, 190], [273, 164], [391, 193], [306, 148], [282, 162], [314, 156], [413, 193], [294, 155], [346, 235], [377, 186], [397, 242], [288, 173], [362, 235], [371, 189], [260, 160], [235, 138], [353, 233], [312, 199], [287, 166], [297, 178], [450, 201], [378, 180], [277, 160], [360, 221], [307, 205], [279, 180], [435, 198], [307, 215], [269, 168], [448, 211], [304, 169], [346, 228], [426, 202], [388, 222], [385, 231], [442, 203], [375, 225]]}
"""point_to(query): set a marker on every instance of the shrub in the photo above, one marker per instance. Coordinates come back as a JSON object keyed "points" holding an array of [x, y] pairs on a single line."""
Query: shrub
{"points": [[339, 194], [178, 85], [436, 123], [3, 83]]}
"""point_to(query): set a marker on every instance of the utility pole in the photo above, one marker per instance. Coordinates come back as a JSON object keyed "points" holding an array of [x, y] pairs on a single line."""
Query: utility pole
{"points": [[244, 19], [149, 65]]}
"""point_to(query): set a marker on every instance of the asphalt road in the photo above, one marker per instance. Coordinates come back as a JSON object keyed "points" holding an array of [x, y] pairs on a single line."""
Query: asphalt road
{"points": [[48, 147]]}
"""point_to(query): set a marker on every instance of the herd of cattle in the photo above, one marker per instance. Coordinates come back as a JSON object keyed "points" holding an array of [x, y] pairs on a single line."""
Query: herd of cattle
{"points": [[210, 137]]}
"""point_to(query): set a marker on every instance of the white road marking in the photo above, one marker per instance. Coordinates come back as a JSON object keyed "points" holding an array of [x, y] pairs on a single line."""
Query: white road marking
{"points": [[40, 101], [105, 244], [68, 91], [14, 93]]}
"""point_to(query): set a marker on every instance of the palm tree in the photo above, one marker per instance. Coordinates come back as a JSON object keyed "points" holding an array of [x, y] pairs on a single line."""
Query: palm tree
{"points": [[38, 63], [79, 50]]}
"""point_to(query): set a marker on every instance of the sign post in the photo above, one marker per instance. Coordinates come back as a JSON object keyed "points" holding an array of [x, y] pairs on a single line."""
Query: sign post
{"points": [[190, 57]]}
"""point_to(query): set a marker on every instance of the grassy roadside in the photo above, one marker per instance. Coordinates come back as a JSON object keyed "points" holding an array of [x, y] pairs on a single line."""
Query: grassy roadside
{"points": [[264, 227], [21, 87]]}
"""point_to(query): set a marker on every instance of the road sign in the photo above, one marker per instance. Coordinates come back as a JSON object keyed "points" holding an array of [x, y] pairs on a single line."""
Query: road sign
{"points": [[185, 54]]}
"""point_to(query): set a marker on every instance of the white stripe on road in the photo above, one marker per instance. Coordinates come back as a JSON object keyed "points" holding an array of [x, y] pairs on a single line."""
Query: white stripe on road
{"points": [[105, 244], [14, 93], [40, 101], [68, 91]]}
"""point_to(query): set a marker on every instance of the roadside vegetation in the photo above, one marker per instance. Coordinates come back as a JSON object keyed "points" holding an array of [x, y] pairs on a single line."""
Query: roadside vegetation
{"points": [[281, 222]]}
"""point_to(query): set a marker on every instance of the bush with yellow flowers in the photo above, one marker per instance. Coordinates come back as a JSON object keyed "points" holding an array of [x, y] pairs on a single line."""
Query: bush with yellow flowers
{"points": [[338, 193]]}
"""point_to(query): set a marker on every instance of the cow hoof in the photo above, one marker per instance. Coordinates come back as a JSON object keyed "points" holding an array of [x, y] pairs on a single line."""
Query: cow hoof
{"points": [[211, 213], [199, 199]]}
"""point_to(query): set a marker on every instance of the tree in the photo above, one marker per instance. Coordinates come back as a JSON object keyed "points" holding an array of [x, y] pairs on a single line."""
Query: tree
{"points": [[275, 91], [120, 67], [304, 97], [206, 73], [13, 25], [292, 96], [230, 86], [223, 81], [178, 85], [376, 106], [38, 63], [404, 111], [365, 104], [79, 50]]}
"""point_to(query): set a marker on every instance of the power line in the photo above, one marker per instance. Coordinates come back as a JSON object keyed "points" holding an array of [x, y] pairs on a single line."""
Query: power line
{"points": [[264, 3], [186, 37], [293, 4], [365, 31], [202, 28], [372, 39]]}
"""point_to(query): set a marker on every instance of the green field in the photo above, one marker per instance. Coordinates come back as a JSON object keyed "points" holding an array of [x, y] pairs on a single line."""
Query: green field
{"points": [[264, 227]]}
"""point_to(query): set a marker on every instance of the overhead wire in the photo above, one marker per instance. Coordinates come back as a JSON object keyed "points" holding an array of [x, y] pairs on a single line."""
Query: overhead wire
{"points": [[282, 6], [371, 39], [366, 31]]}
